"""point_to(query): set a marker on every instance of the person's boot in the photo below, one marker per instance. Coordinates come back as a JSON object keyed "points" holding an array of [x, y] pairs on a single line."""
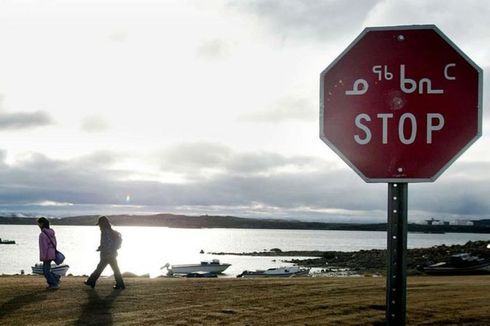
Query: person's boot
{"points": [[88, 283], [119, 287]]}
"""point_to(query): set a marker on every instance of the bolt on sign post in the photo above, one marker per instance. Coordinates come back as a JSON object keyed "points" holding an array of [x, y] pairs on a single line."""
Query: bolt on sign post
{"points": [[399, 105]]}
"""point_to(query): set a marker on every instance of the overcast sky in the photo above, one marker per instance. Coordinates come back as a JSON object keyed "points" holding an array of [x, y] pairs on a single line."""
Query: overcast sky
{"points": [[204, 107]]}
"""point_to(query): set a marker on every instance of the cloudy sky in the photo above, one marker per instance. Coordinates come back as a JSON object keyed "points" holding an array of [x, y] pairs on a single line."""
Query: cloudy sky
{"points": [[204, 107]]}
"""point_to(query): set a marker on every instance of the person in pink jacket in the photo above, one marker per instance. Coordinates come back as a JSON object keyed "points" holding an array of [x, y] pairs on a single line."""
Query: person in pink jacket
{"points": [[47, 252]]}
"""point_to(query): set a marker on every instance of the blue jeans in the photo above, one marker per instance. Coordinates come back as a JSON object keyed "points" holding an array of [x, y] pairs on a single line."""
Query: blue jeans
{"points": [[51, 277], [104, 261]]}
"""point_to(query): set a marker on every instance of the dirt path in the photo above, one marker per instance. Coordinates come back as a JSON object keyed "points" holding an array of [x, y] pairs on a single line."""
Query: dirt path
{"points": [[297, 301]]}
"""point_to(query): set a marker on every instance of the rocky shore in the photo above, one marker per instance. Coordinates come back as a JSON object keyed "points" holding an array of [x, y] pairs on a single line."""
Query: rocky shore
{"points": [[373, 261]]}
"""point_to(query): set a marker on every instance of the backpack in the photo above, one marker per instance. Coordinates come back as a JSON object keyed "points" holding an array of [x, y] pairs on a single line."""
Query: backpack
{"points": [[117, 238]]}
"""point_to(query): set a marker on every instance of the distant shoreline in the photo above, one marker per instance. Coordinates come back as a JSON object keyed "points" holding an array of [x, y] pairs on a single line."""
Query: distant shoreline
{"points": [[208, 221]]}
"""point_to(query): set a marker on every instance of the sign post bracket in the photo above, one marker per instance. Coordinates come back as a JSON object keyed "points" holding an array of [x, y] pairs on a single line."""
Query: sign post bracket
{"points": [[396, 278]]}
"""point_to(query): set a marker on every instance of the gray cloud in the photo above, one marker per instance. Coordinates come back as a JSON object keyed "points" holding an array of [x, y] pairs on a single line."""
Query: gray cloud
{"points": [[287, 109], [21, 120], [195, 159], [85, 181], [3, 156], [462, 190], [94, 124], [317, 190], [263, 163], [249, 184], [273, 180], [213, 49], [39, 178], [195, 156], [119, 36], [99, 159], [449, 15], [307, 19], [486, 90]]}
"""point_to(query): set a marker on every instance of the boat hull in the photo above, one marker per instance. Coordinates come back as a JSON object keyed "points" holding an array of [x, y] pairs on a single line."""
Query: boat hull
{"points": [[275, 272], [258, 275], [450, 270], [56, 269], [198, 268]]}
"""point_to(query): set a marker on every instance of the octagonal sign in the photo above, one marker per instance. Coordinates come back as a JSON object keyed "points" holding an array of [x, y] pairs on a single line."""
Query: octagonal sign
{"points": [[401, 103]]}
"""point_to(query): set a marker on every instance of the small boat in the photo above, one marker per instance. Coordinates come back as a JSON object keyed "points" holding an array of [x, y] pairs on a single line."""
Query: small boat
{"points": [[292, 271], [460, 264], [201, 275], [56, 269], [7, 241], [213, 267]]}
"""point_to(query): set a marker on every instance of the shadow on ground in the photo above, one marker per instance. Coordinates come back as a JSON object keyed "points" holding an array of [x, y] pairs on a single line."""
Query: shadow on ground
{"points": [[20, 301], [97, 310]]}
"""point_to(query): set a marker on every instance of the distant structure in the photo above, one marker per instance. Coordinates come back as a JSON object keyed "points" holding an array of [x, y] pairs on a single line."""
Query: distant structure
{"points": [[484, 223], [463, 222], [431, 221]]}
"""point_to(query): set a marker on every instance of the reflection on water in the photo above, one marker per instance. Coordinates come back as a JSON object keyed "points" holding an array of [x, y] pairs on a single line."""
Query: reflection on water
{"points": [[146, 249]]}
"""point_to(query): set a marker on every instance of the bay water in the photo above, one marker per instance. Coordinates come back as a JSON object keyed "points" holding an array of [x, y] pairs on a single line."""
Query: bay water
{"points": [[146, 249]]}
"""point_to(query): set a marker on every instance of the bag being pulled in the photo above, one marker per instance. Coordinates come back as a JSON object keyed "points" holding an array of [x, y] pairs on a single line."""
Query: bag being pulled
{"points": [[59, 257]]}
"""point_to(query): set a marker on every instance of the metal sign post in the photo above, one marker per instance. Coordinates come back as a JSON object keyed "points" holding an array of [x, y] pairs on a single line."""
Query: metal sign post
{"points": [[395, 97], [396, 278]]}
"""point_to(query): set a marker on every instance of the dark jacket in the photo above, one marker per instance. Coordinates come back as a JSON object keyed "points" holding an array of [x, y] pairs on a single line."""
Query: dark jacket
{"points": [[108, 243]]}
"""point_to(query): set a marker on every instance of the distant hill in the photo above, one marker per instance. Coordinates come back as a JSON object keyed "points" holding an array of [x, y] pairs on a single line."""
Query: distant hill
{"points": [[184, 221], [208, 221]]}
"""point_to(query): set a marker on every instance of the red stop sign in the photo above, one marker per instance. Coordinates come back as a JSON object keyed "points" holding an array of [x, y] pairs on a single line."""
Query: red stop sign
{"points": [[400, 104]]}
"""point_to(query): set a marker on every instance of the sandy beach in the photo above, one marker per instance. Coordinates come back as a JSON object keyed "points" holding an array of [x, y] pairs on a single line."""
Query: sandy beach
{"points": [[292, 301]]}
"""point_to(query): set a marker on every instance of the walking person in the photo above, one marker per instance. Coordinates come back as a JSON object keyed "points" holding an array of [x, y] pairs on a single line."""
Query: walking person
{"points": [[110, 242], [47, 252]]}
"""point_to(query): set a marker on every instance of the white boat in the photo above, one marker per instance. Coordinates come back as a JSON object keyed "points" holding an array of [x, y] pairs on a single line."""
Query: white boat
{"points": [[291, 271], [213, 267], [56, 269]]}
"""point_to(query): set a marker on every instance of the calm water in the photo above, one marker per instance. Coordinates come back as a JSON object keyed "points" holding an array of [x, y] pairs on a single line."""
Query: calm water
{"points": [[146, 249]]}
